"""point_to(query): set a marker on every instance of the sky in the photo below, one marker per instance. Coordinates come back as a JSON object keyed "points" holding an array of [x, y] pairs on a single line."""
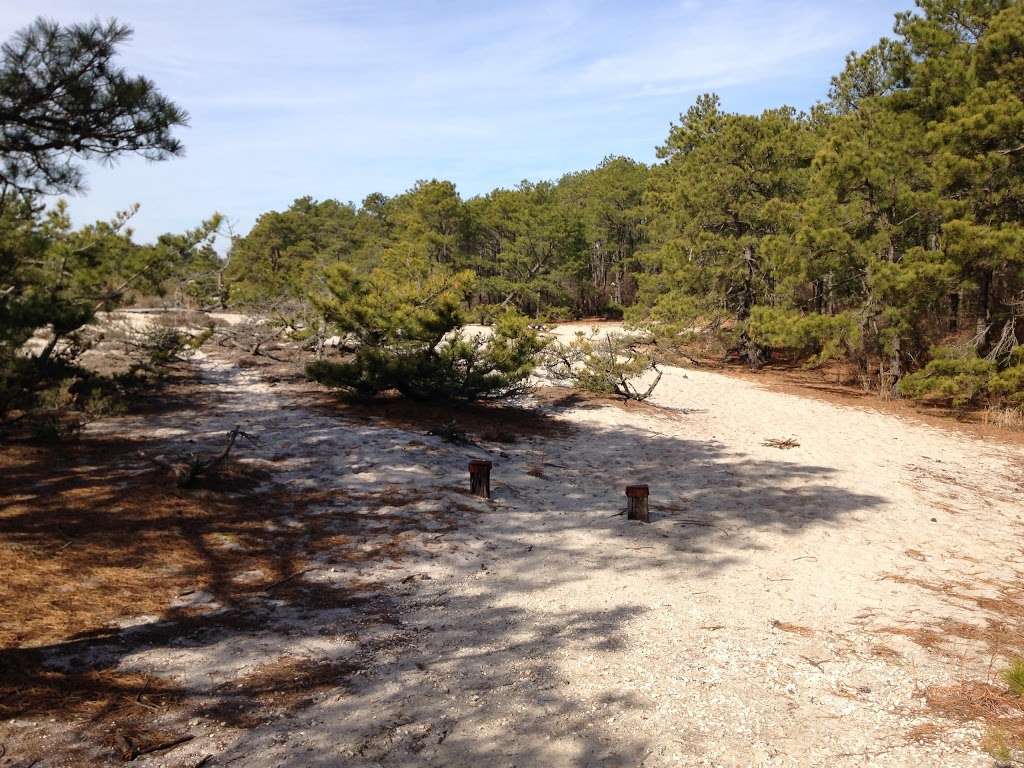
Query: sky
{"points": [[340, 99]]}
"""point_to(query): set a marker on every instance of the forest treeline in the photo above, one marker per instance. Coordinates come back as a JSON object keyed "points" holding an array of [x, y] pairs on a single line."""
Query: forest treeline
{"points": [[552, 250], [883, 228]]}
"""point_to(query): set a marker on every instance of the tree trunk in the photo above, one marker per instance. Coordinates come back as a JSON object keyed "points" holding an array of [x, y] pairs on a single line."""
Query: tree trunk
{"points": [[44, 356], [748, 349], [896, 363], [984, 324]]}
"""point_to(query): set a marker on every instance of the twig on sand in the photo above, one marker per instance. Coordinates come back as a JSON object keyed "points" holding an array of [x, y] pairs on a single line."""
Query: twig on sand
{"points": [[189, 468], [132, 751], [141, 703], [796, 629], [781, 442], [814, 663], [288, 578], [870, 753]]}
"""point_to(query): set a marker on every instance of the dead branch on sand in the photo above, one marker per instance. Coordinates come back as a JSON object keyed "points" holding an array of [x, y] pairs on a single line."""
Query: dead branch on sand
{"points": [[781, 442], [191, 467]]}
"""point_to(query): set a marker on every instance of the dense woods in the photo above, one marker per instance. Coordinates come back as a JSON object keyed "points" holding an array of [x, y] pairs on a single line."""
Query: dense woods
{"points": [[882, 229]]}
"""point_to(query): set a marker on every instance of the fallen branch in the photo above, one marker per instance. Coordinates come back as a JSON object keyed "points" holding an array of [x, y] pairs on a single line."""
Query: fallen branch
{"points": [[781, 442], [188, 469], [132, 751], [288, 578], [814, 663]]}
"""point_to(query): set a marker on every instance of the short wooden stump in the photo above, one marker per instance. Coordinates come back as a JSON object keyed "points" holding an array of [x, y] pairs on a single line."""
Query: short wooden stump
{"points": [[480, 478], [636, 503]]}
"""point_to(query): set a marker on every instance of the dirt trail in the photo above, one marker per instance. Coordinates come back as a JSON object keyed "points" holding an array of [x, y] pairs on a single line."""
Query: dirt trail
{"points": [[747, 625]]}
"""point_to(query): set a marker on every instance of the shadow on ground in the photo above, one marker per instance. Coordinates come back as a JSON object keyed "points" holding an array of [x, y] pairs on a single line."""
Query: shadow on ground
{"points": [[285, 617]]}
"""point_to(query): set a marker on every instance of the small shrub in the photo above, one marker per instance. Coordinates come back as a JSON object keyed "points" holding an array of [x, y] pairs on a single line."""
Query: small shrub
{"points": [[961, 380], [612, 365], [818, 338], [58, 395], [1013, 676], [966, 380], [406, 326], [51, 429], [450, 433], [613, 311], [158, 347], [996, 743]]}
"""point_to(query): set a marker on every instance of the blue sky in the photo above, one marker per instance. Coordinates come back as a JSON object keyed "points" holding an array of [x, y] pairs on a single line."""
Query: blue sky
{"points": [[339, 99]]}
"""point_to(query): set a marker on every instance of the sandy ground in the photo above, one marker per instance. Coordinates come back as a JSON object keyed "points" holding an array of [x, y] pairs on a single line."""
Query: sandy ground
{"points": [[748, 625]]}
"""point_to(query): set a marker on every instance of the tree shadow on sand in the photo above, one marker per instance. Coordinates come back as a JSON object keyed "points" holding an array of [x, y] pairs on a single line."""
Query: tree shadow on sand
{"points": [[390, 670]]}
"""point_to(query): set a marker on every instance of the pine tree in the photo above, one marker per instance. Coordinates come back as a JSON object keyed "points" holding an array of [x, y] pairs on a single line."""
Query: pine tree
{"points": [[404, 319], [62, 98], [724, 188]]}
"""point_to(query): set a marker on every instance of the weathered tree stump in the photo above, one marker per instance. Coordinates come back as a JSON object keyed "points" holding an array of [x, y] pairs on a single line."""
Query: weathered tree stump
{"points": [[480, 478], [636, 503]]}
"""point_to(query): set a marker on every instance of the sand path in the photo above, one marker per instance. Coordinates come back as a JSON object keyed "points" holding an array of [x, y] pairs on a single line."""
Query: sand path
{"points": [[742, 627]]}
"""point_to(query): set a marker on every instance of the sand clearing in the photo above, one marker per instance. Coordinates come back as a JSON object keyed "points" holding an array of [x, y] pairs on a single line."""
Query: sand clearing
{"points": [[750, 624]]}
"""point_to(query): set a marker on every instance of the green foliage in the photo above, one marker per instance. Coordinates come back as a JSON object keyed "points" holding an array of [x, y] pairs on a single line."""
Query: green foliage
{"points": [[1013, 676], [62, 98], [886, 222], [881, 226], [57, 278], [610, 199], [967, 380], [816, 337], [613, 364], [284, 251], [728, 186], [404, 320], [530, 249], [961, 379], [547, 249], [1008, 384]]}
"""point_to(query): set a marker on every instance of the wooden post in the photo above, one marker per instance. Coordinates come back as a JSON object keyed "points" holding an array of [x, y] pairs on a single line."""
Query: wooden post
{"points": [[480, 478], [636, 500]]}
